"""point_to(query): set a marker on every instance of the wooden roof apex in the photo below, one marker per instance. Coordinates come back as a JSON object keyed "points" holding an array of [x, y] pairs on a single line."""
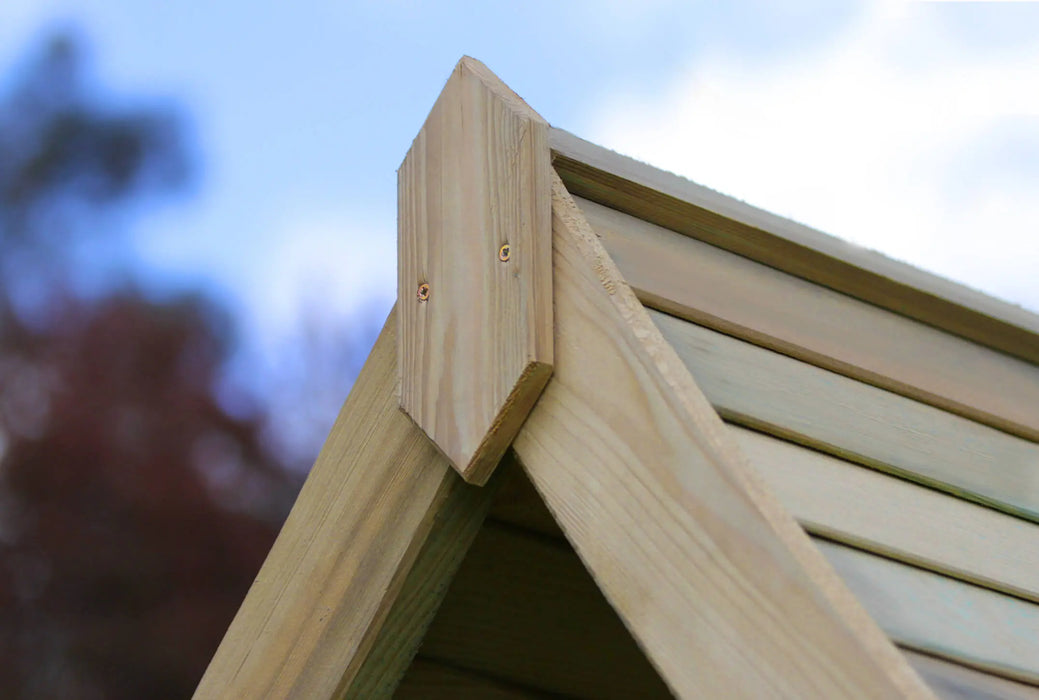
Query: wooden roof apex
{"points": [[746, 459]]}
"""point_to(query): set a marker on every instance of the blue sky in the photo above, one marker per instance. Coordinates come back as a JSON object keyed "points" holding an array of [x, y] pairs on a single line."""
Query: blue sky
{"points": [[912, 128]]}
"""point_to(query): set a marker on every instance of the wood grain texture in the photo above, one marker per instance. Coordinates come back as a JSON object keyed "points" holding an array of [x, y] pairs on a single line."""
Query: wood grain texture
{"points": [[773, 393], [722, 589], [523, 609], [715, 288], [339, 563], [906, 521], [941, 616], [429, 680], [896, 518], [654, 195], [954, 682], [475, 355], [902, 520], [400, 635]]}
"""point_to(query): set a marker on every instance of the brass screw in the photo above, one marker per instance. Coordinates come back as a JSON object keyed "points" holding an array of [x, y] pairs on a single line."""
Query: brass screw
{"points": [[423, 291], [504, 252]]}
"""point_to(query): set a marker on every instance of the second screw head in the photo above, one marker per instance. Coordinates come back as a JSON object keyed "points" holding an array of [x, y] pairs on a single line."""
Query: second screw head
{"points": [[504, 252]]}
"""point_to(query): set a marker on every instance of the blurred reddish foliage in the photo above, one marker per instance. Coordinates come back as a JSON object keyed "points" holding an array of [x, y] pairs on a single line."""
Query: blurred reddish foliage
{"points": [[134, 509], [132, 541]]}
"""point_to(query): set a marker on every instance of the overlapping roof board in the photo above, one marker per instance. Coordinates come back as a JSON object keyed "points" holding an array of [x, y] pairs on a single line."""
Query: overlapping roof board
{"points": [[767, 463]]}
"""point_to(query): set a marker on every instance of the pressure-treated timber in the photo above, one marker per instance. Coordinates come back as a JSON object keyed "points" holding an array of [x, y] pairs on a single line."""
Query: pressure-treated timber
{"points": [[456, 525], [712, 576], [429, 680], [861, 507], [378, 494], [722, 589], [773, 393], [954, 682], [941, 616], [524, 610], [663, 198], [475, 269], [738, 296], [901, 520]]}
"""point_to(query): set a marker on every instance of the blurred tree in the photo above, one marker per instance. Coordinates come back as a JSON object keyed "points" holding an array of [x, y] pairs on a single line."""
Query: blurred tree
{"points": [[134, 509], [67, 164]]}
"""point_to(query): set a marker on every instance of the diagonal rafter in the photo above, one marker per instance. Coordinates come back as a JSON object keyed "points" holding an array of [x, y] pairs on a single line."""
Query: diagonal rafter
{"points": [[722, 589], [342, 601]]}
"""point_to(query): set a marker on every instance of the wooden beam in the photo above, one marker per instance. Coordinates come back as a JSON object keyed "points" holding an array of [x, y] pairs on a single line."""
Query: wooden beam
{"points": [[378, 500], [475, 269], [794, 400], [457, 524], [676, 203], [942, 616], [954, 682], [898, 519], [720, 586], [740, 297]]}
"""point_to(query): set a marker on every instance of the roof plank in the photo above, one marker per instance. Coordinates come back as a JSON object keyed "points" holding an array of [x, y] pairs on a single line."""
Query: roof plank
{"points": [[767, 391], [719, 289], [954, 682], [663, 198], [898, 519], [941, 616]]}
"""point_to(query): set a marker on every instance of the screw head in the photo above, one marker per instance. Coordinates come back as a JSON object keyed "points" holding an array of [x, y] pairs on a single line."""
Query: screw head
{"points": [[504, 252], [423, 291]]}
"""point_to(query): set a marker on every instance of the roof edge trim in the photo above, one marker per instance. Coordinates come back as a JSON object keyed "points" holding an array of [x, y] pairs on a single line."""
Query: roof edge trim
{"points": [[666, 199]]}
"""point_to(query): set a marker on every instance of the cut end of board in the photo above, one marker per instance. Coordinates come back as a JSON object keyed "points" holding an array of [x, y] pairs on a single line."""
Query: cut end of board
{"points": [[475, 269]]}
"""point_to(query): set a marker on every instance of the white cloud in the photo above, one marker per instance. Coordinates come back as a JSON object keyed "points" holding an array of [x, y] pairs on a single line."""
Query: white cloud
{"points": [[872, 137], [329, 258]]}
